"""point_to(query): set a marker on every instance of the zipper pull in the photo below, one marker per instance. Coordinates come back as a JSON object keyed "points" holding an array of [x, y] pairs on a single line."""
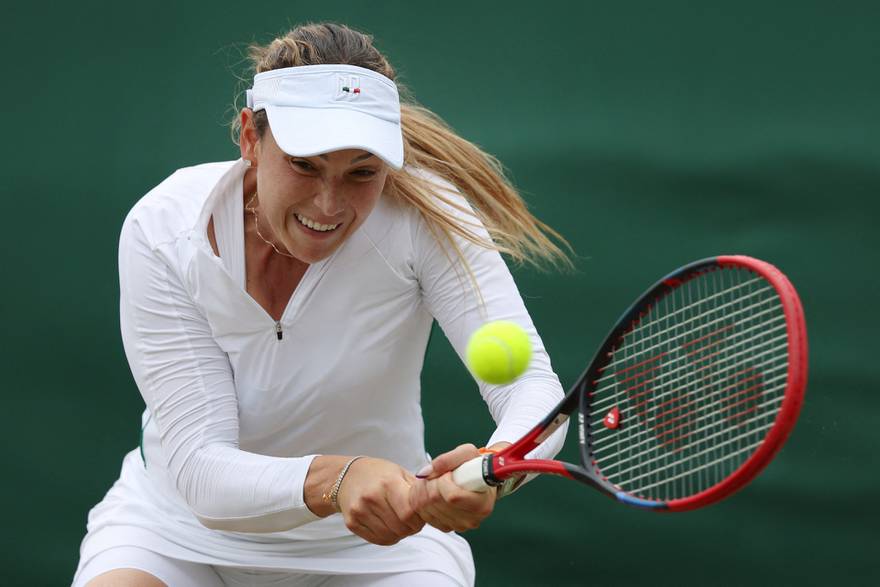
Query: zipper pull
{"points": [[278, 332]]}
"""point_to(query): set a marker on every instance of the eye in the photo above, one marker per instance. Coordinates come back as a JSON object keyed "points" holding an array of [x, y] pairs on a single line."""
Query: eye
{"points": [[303, 166], [364, 172]]}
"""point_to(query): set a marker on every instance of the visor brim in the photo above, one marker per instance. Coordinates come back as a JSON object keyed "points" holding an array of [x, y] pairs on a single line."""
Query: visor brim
{"points": [[306, 132]]}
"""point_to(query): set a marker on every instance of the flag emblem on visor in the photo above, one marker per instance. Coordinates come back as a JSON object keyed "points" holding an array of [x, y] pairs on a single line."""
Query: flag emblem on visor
{"points": [[349, 87]]}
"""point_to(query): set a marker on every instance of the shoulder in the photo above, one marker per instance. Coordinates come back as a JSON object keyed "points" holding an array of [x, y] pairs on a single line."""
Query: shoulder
{"points": [[409, 229], [401, 215], [172, 207], [430, 193], [442, 208], [439, 187], [443, 199]]}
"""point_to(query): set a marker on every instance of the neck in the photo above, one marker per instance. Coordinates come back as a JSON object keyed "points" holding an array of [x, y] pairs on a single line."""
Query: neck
{"points": [[260, 255], [249, 183], [267, 252]]}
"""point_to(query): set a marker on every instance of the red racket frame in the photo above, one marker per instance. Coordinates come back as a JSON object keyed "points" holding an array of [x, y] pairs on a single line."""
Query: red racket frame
{"points": [[511, 460]]}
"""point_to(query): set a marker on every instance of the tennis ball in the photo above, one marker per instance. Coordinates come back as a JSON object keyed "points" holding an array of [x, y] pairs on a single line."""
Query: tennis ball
{"points": [[499, 352]]}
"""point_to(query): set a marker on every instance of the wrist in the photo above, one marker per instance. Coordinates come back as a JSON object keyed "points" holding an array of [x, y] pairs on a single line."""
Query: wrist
{"points": [[321, 477], [332, 496]]}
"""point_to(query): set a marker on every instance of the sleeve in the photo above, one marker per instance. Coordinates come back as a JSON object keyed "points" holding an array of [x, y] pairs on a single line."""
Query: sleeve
{"points": [[187, 384], [451, 298]]}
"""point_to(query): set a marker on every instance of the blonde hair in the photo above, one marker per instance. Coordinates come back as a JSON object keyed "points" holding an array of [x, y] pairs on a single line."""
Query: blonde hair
{"points": [[430, 145]]}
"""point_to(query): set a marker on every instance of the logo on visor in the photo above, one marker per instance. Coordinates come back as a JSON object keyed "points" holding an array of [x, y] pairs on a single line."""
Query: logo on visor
{"points": [[348, 87]]}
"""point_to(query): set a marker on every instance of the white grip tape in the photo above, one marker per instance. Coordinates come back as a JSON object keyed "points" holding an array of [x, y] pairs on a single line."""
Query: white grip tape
{"points": [[469, 475]]}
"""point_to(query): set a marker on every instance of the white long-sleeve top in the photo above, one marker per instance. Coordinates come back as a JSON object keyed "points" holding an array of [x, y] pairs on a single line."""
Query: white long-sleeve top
{"points": [[237, 404]]}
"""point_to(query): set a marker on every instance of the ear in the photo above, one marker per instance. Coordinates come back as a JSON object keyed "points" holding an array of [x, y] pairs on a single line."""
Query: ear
{"points": [[248, 138]]}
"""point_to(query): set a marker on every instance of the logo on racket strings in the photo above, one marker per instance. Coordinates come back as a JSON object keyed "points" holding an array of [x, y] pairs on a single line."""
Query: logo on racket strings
{"points": [[612, 419]]}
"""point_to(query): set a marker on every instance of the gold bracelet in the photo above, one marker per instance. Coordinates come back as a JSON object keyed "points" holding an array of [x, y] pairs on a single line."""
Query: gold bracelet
{"points": [[333, 494]]}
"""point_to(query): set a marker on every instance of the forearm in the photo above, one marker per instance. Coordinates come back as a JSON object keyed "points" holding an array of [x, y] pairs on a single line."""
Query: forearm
{"points": [[519, 407], [234, 490]]}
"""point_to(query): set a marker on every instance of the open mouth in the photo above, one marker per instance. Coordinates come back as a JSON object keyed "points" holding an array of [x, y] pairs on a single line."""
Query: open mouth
{"points": [[316, 226]]}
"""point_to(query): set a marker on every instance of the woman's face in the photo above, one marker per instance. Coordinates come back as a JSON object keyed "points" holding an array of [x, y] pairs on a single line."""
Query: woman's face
{"points": [[309, 206]]}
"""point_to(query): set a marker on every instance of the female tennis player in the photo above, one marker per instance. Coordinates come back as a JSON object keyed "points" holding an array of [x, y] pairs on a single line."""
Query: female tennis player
{"points": [[275, 312]]}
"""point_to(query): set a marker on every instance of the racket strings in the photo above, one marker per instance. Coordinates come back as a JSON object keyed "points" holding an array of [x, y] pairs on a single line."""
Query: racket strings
{"points": [[707, 413], [643, 324], [697, 383], [686, 370], [637, 458], [737, 455], [685, 333]]}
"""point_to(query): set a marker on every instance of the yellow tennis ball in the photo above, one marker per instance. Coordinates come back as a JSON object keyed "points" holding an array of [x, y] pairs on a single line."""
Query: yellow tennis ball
{"points": [[499, 352]]}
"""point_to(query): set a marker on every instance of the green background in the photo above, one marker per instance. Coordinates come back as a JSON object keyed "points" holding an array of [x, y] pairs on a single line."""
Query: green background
{"points": [[648, 133]]}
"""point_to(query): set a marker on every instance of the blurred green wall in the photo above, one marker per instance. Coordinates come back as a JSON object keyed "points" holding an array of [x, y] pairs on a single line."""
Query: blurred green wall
{"points": [[650, 134]]}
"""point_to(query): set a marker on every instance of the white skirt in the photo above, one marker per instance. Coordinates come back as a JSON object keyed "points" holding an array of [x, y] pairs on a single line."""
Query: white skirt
{"points": [[144, 510]]}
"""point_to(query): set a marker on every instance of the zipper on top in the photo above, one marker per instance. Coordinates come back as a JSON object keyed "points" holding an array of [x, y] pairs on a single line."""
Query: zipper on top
{"points": [[278, 332]]}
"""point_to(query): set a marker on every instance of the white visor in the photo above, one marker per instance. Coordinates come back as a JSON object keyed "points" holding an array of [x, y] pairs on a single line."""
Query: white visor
{"points": [[315, 109]]}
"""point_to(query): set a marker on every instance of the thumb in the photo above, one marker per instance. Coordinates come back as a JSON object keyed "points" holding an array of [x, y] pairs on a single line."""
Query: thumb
{"points": [[448, 461]]}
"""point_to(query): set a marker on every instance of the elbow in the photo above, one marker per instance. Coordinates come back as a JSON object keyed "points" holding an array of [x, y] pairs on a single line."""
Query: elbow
{"points": [[219, 510], [217, 502]]}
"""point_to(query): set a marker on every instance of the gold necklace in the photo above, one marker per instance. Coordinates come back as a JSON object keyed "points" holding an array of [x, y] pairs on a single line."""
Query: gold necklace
{"points": [[257, 227]]}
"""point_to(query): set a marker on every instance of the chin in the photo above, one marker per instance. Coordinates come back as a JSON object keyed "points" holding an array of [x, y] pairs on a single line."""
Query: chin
{"points": [[312, 259], [309, 251]]}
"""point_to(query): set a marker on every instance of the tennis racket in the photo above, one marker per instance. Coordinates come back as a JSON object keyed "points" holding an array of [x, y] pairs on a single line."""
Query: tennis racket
{"points": [[691, 395]]}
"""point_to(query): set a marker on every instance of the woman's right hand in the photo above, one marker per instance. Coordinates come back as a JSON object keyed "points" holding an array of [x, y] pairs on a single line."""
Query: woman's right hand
{"points": [[375, 503]]}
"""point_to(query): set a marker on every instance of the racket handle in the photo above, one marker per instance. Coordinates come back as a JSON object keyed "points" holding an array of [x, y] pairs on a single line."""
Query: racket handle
{"points": [[469, 475]]}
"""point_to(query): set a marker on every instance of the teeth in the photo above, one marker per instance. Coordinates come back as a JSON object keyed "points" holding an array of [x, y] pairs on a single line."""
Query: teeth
{"points": [[314, 225]]}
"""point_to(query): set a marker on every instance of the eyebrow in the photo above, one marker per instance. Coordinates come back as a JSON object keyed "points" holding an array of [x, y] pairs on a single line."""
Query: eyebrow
{"points": [[355, 160]]}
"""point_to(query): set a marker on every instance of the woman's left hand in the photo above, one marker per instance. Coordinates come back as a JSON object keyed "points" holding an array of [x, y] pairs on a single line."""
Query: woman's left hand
{"points": [[443, 504]]}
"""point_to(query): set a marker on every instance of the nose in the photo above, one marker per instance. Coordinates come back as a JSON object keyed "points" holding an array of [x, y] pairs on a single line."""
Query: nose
{"points": [[330, 200]]}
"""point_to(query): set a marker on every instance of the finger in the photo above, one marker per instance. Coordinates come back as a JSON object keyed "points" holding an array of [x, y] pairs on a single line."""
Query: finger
{"points": [[418, 496], [472, 504], [364, 531], [434, 517], [422, 494], [388, 528], [452, 459], [458, 508], [443, 514], [400, 520], [398, 501], [422, 498], [374, 529], [393, 508], [408, 477], [447, 519], [370, 515]]}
